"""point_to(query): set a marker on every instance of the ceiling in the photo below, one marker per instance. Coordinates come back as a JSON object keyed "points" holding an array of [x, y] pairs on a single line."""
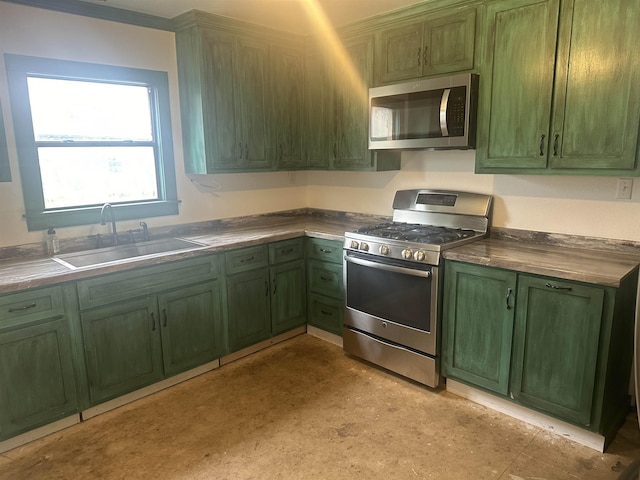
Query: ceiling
{"points": [[290, 15]]}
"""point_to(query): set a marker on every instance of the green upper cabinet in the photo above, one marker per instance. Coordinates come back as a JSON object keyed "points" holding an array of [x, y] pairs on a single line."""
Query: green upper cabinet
{"points": [[442, 43], [352, 80], [558, 89], [286, 106], [318, 110]]}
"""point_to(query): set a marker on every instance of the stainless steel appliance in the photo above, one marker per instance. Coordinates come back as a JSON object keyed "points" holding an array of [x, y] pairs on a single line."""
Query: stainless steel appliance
{"points": [[393, 283], [436, 113]]}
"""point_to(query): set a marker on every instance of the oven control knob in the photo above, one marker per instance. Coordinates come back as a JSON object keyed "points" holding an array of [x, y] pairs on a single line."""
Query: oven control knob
{"points": [[354, 244], [364, 247], [407, 254], [385, 250], [419, 256]]}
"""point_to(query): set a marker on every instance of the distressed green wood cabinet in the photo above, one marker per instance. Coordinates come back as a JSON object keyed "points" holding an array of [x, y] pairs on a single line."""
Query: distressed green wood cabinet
{"points": [[319, 110], [558, 88], [142, 326], [37, 371], [265, 291], [443, 43], [287, 80], [479, 317], [561, 347], [325, 285], [224, 96]]}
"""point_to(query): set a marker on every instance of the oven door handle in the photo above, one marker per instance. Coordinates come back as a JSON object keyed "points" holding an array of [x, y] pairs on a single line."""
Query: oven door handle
{"points": [[388, 268]]}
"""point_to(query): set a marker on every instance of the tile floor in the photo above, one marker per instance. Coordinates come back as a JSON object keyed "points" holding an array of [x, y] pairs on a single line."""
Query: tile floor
{"points": [[304, 410]]}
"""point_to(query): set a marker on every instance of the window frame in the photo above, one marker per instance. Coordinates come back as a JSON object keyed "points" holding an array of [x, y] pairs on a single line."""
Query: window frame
{"points": [[19, 67]]}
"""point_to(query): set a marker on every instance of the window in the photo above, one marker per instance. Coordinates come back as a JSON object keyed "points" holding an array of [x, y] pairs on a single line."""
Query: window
{"points": [[89, 134]]}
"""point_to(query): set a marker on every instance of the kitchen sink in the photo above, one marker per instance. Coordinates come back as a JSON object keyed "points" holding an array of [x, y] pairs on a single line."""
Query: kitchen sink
{"points": [[107, 255]]}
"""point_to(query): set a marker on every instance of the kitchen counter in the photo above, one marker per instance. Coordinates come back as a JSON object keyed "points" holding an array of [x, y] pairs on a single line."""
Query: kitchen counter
{"points": [[22, 274], [589, 265]]}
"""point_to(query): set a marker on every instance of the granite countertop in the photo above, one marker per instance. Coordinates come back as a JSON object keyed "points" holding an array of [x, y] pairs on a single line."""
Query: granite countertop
{"points": [[40, 271], [585, 264]]}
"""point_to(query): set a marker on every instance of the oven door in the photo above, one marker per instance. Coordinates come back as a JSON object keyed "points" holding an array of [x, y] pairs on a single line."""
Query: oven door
{"points": [[392, 300]]}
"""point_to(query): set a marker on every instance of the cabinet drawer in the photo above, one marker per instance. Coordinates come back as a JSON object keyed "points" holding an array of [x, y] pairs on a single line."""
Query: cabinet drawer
{"points": [[326, 313], [286, 251], [246, 259], [149, 280], [325, 279], [32, 305], [325, 250]]}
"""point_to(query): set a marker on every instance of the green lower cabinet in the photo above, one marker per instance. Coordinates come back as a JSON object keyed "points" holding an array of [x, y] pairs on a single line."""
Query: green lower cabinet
{"points": [[325, 308], [248, 302], [37, 376], [479, 327], [135, 343], [122, 348], [288, 294], [189, 336], [556, 342], [561, 347]]}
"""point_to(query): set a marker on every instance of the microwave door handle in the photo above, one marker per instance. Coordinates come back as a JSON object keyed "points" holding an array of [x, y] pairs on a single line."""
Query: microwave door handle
{"points": [[444, 105]]}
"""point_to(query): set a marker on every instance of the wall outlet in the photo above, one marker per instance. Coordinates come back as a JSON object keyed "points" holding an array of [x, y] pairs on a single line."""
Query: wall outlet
{"points": [[623, 190]]}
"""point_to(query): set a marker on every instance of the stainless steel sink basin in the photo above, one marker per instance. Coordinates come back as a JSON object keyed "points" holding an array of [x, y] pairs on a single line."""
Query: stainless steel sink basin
{"points": [[103, 256]]}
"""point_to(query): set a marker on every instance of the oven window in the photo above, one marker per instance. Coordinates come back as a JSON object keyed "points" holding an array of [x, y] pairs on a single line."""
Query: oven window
{"points": [[398, 297]]}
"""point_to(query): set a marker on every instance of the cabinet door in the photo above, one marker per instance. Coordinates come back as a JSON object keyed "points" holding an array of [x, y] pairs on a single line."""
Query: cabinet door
{"points": [[37, 377], [288, 296], [478, 325], [122, 348], [252, 105], [286, 108], [219, 94], [400, 54], [319, 113], [597, 99], [555, 349], [191, 326], [449, 43], [352, 105], [248, 306], [516, 84]]}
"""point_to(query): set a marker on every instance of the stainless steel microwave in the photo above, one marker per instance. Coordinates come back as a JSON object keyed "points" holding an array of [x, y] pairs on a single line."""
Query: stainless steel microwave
{"points": [[436, 113]]}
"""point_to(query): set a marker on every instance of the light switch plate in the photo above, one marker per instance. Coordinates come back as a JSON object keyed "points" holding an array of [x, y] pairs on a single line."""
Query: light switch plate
{"points": [[624, 188]]}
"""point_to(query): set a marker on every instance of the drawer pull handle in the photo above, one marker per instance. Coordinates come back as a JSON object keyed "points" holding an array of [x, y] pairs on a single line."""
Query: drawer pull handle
{"points": [[153, 322], [325, 312], [326, 279], [164, 313], [20, 309], [555, 287], [288, 250], [248, 259], [324, 250], [509, 291]]}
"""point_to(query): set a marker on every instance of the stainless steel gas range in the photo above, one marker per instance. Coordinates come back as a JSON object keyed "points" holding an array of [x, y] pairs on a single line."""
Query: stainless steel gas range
{"points": [[393, 283]]}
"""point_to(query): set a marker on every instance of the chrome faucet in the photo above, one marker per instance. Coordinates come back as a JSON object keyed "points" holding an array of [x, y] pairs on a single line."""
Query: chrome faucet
{"points": [[103, 212]]}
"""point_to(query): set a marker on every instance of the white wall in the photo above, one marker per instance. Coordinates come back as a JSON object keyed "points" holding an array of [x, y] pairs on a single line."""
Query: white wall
{"points": [[573, 205]]}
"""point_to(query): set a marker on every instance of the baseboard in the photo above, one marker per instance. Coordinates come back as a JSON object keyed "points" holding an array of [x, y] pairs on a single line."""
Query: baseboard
{"points": [[40, 432], [232, 357], [550, 424], [324, 335], [145, 391]]}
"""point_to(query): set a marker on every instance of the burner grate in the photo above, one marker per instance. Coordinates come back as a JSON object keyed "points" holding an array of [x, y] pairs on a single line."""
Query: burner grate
{"points": [[411, 232]]}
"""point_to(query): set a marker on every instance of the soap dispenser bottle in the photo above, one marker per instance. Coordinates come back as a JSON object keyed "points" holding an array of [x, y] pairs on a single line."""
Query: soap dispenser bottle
{"points": [[53, 245]]}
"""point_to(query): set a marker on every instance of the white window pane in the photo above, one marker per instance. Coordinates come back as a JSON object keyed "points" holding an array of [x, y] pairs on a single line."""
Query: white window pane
{"points": [[80, 176], [85, 111]]}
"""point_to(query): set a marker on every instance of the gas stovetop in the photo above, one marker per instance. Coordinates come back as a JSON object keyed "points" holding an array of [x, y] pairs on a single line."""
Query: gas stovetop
{"points": [[425, 222]]}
